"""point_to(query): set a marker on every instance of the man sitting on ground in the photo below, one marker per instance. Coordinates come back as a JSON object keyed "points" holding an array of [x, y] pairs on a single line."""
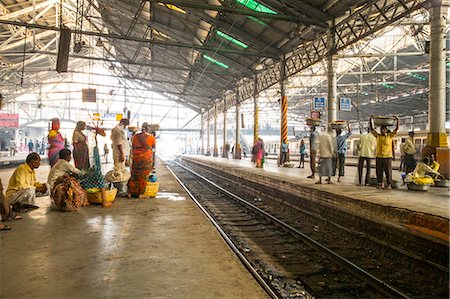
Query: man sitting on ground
{"points": [[23, 187], [62, 167]]}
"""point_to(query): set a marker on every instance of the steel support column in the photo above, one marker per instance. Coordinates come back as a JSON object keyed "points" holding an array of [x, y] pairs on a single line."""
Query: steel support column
{"points": [[255, 113], [436, 103], [208, 133], [202, 133], [284, 108], [216, 150], [331, 75], [237, 146], [437, 138], [225, 149]]}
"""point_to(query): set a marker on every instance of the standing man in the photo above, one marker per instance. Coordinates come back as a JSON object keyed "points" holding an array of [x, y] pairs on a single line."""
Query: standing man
{"points": [[384, 153], [38, 147], [341, 142], [284, 152], [30, 146], [12, 148], [410, 151], [23, 187], [312, 151], [120, 145], [366, 148], [327, 150]]}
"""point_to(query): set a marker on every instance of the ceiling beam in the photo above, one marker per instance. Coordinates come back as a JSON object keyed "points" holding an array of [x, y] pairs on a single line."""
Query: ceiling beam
{"points": [[238, 11], [138, 39]]}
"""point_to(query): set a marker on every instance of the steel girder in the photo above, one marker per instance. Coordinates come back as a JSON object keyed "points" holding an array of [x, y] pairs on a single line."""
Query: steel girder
{"points": [[361, 23]]}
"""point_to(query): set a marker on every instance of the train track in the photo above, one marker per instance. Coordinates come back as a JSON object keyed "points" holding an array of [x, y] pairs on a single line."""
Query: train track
{"points": [[292, 263]]}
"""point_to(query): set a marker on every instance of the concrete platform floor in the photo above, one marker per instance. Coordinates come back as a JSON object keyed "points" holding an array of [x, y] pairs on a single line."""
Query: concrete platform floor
{"points": [[148, 248]]}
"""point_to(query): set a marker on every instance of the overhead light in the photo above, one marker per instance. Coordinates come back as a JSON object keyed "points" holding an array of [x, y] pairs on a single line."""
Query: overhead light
{"points": [[231, 39], [215, 61], [256, 6], [99, 43]]}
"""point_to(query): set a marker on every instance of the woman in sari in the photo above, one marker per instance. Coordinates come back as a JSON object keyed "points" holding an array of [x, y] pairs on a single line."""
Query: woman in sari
{"points": [[56, 142], [80, 147], [258, 151], [142, 151]]}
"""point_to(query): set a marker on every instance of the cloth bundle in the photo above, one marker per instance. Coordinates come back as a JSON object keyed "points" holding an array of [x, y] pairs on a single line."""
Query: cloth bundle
{"points": [[68, 194], [117, 175]]}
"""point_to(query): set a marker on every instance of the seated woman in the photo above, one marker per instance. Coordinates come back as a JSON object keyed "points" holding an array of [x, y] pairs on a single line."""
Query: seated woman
{"points": [[66, 192], [423, 174], [142, 151]]}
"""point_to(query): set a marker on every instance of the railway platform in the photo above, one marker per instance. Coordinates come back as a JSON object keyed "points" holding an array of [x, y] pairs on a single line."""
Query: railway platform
{"points": [[161, 247], [425, 214], [7, 161]]}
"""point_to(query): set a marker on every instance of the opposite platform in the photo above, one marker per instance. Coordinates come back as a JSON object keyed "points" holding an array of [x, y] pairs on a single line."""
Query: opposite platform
{"points": [[424, 213], [162, 247]]}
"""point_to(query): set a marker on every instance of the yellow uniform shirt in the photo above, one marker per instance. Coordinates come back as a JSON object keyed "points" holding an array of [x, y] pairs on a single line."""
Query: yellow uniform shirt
{"points": [[23, 177], [384, 145]]}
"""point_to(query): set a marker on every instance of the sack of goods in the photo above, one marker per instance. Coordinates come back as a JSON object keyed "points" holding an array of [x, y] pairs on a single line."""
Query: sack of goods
{"points": [[117, 176], [68, 194], [313, 122], [339, 124]]}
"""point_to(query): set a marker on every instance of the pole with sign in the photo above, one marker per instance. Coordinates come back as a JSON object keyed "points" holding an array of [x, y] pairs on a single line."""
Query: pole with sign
{"points": [[319, 103], [345, 104]]}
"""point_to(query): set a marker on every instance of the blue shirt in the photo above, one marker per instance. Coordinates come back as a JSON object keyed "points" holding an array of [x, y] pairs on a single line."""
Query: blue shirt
{"points": [[341, 143], [302, 149], [284, 147]]}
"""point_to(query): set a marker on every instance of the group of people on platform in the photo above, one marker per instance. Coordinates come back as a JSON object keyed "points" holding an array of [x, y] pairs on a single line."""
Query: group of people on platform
{"points": [[23, 188], [333, 153]]}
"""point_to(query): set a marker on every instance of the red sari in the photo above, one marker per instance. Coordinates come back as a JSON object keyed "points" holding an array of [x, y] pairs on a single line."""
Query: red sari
{"points": [[142, 145]]}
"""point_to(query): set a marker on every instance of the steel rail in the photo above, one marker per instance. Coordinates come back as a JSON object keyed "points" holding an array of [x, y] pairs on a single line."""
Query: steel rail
{"points": [[230, 243], [355, 232], [372, 280]]}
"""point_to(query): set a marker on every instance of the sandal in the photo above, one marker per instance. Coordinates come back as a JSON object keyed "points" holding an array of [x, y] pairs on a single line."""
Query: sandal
{"points": [[5, 227], [12, 216]]}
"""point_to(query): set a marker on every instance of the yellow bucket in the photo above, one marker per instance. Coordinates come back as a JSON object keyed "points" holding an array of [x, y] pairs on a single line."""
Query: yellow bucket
{"points": [[94, 195], [151, 189], [98, 196]]}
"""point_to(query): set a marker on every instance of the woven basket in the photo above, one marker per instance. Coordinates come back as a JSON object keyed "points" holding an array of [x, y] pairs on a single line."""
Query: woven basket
{"points": [[313, 122], [379, 121], [94, 195], [151, 189], [99, 196]]}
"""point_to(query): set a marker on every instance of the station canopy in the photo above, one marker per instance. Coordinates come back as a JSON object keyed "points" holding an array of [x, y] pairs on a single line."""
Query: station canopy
{"points": [[169, 62]]}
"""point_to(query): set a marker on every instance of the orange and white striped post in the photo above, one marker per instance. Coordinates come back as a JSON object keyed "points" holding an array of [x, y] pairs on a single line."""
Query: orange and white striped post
{"points": [[256, 113], [284, 110]]}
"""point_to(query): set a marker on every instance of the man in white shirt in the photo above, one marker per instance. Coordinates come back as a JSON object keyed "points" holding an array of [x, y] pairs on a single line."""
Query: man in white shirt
{"points": [[327, 152], [120, 145], [62, 167]]}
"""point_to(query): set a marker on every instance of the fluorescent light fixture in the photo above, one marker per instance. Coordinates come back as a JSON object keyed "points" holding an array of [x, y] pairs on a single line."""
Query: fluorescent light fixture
{"points": [[257, 21], [231, 39], [215, 61], [417, 76], [256, 6], [388, 86]]}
